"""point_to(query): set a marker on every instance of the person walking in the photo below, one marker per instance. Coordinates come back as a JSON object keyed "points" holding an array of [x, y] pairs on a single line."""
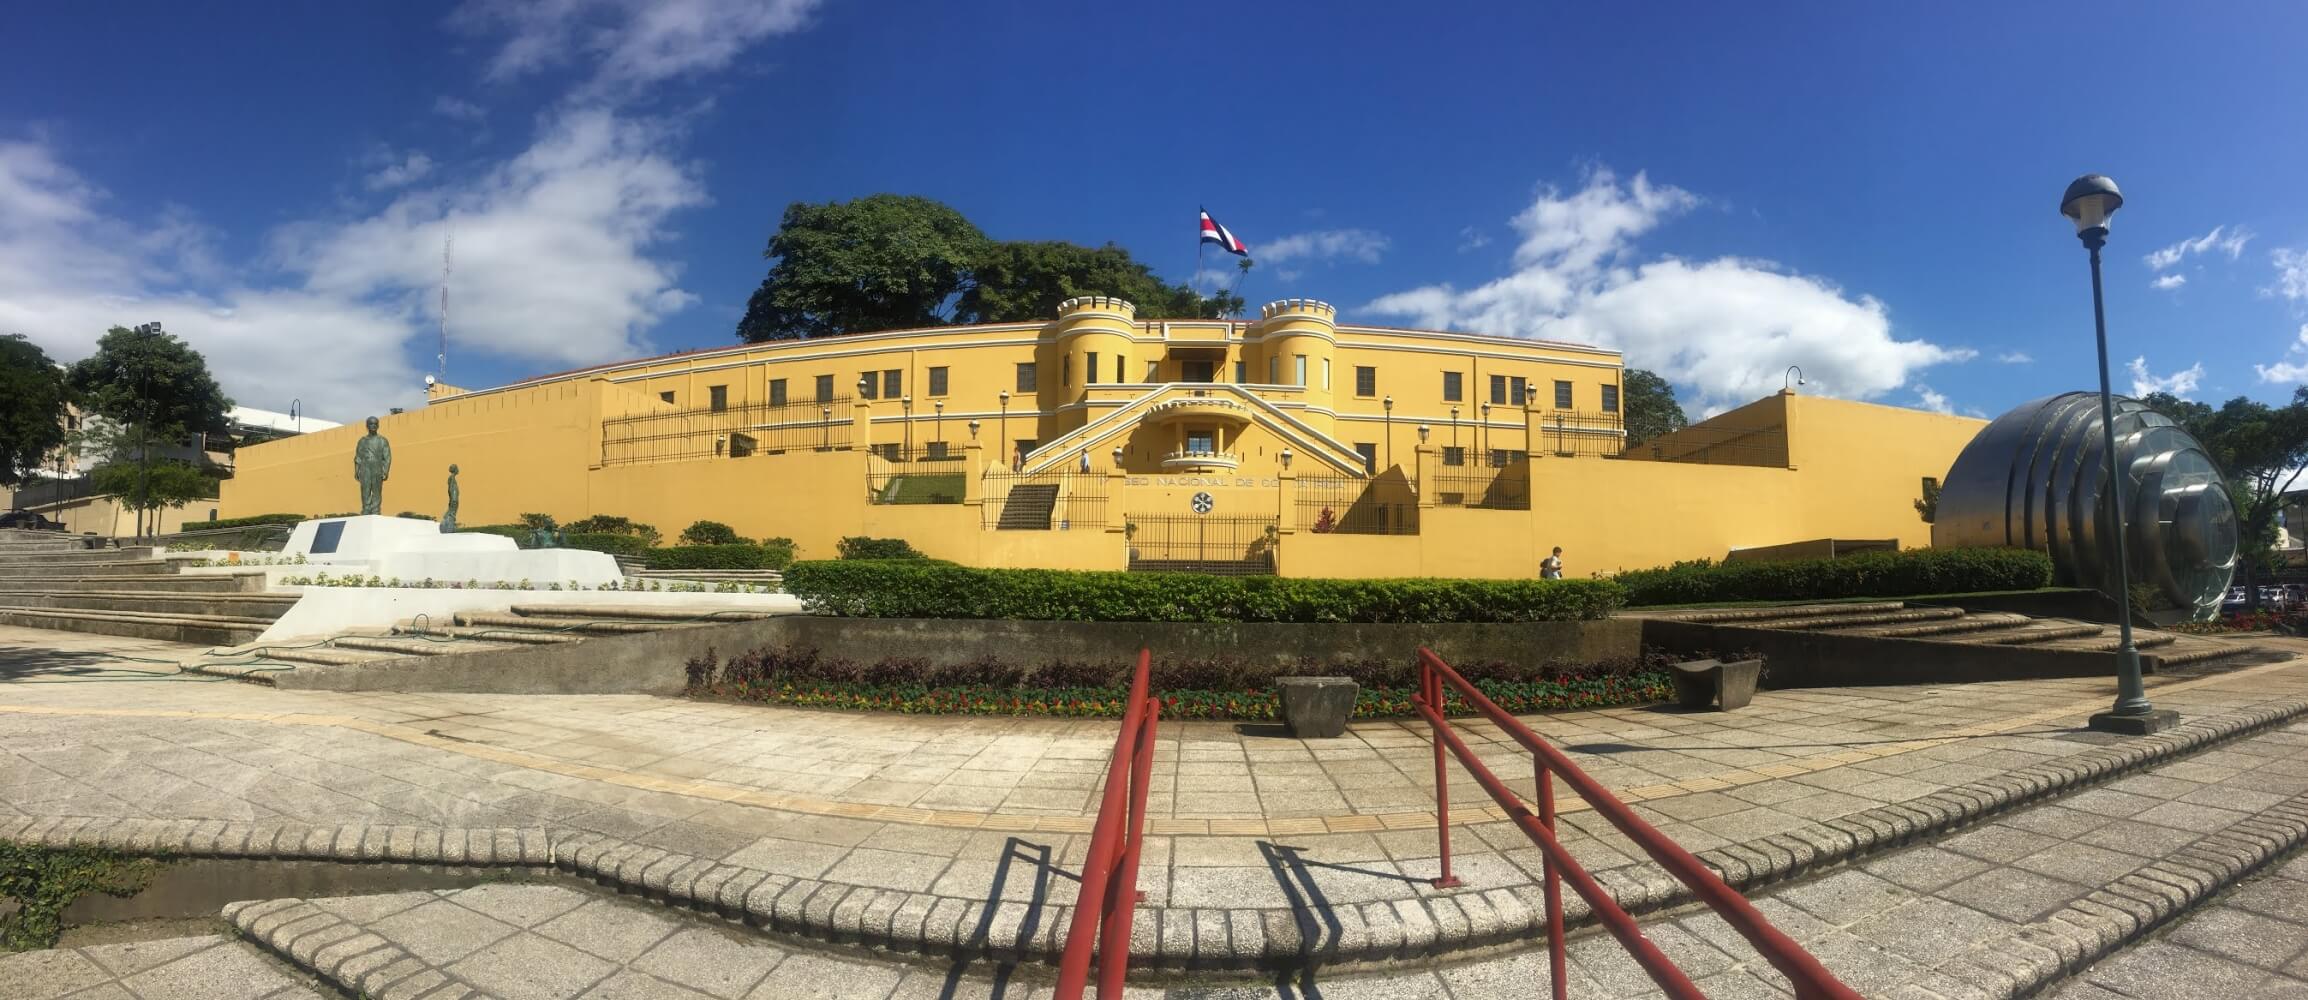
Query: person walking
{"points": [[1551, 568]]}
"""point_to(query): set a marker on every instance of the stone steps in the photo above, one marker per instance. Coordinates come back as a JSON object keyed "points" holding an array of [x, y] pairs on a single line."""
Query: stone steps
{"points": [[251, 581], [1852, 619], [60, 557], [190, 629], [593, 626], [410, 646], [1739, 615], [492, 634], [665, 613], [86, 567], [265, 606]]}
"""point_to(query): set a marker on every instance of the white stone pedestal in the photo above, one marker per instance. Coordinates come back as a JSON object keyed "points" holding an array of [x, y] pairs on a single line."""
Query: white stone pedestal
{"points": [[412, 549]]}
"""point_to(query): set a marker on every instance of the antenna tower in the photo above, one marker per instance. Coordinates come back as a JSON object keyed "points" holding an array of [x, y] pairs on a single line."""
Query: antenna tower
{"points": [[448, 242]]}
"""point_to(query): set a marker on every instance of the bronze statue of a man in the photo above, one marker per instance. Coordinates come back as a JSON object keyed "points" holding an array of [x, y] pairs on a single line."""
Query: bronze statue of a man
{"points": [[449, 520], [372, 465]]}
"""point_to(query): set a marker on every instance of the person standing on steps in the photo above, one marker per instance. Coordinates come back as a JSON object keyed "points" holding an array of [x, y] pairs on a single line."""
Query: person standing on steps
{"points": [[1551, 568]]}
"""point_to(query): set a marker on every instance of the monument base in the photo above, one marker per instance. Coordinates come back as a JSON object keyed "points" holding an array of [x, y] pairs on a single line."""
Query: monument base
{"points": [[407, 548], [2142, 724]]}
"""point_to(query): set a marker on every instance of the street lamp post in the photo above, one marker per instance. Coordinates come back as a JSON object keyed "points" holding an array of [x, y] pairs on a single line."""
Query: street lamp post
{"points": [[2090, 202], [1483, 437], [906, 403], [938, 424], [1389, 405], [1005, 432], [1794, 378], [825, 415]]}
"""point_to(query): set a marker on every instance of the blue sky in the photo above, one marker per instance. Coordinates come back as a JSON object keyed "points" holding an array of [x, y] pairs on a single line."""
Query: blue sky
{"points": [[1866, 191]]}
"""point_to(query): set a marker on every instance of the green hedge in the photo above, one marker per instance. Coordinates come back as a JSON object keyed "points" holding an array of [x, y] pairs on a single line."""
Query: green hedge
{"points": [[904, 588], [1875, 574], [869, 547], [774, 554], [244, 522], [602, 541]]}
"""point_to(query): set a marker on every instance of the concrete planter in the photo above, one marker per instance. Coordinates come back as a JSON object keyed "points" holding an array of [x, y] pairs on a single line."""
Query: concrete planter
{"points": [[1317, 707], [1702, 683]]}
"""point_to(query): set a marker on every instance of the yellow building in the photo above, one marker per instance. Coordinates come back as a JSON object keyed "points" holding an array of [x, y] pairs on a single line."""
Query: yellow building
{"points": [[1289, 444]]}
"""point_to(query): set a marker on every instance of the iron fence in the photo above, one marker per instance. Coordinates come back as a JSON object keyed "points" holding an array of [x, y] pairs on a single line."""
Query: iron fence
{"points": [[1481, 487], [735, 431], [1042, 501], [1763, 446], [898, 477], [40, 492], [1229, 545], [1350, 506]]}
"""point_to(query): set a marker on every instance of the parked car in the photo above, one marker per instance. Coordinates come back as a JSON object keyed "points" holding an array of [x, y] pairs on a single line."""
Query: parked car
{"points": [[28, 520]]}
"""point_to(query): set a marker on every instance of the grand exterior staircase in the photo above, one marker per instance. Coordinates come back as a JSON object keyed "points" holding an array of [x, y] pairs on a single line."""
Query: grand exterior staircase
{"points": [[54, 581], [1958, 627]]}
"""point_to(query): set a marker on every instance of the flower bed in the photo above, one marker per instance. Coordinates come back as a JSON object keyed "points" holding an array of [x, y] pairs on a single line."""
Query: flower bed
{"points": [[1188, 689], [2287, 622]]}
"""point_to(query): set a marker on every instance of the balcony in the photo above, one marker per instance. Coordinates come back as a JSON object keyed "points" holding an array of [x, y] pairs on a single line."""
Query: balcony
{"points": [[1192, 458], [1199, 405]]}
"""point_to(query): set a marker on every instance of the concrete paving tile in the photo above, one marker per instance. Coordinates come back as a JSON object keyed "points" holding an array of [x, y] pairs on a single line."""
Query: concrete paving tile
{"points": [[2082, 864], [814, 977], [2014, 894], [519, 905], [606, 929], [713, 960], [2161, 970], [131, 957], [528, 966], [1845, 896], [630, 985], [888, 869], [441, 932], [53, 972], [230, 971], [778, 855], [2246, 937]]}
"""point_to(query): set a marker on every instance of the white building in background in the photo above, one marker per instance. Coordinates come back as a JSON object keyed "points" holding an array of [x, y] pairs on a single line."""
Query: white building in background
{"points": [[59, 488]]}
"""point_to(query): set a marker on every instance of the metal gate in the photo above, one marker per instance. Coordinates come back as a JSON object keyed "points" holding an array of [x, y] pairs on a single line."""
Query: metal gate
{"points": [[1201, 543]]}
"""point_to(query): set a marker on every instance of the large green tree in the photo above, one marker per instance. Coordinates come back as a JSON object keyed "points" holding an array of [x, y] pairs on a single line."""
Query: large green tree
{"points": [[32, 399], [2261, 450], [151, 486], [1648, 405], [881, 262], [153, 391], [888, 262]]}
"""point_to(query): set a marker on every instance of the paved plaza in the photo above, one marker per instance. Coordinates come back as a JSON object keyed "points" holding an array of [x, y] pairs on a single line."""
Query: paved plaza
{"points": [[951, 832]]}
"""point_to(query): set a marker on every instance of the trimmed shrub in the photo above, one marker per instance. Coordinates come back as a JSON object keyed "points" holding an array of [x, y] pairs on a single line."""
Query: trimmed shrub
{"points": [[1873, 574], [602, 541], [611, 524], [867, 547], [897, 588], [712, 533], [244, 522], [769, 555], [1189, 689], [413, 515]]}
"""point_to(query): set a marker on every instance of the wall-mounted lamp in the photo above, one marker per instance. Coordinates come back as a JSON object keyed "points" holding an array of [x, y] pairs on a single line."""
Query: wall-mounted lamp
{"points": [[973, 428], [1286, 456], [1423, 431]]}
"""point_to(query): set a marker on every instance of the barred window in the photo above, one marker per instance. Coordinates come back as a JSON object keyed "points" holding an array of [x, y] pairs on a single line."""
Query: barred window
{"points": [[1454, 387], [938, 381], [1610, 399], [1562, 395], [1365, 380], [777, 392], [1025, 376]]}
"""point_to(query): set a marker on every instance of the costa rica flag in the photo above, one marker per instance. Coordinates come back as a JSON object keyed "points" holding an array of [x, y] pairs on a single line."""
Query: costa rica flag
{"points": [[1212, 232]]}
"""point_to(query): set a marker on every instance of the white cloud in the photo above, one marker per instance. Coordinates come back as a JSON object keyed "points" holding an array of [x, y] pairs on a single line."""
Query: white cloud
{"points": [[2167, 282], [408, 170], [2015, 358], [1727, 327], [2180, 383], [459, 109], [1472, 238], [2291, 274], [1323, 245], [633, 43], [2222, 238], [1927, 399], [2287, 370]]}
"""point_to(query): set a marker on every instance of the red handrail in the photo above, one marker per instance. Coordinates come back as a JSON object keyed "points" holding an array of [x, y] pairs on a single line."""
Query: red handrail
{"points": [[1803, 971], [1109, 893]]}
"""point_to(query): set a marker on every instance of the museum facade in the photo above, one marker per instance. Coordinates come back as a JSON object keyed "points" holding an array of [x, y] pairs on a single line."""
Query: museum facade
{"points": [[1290, 443]]}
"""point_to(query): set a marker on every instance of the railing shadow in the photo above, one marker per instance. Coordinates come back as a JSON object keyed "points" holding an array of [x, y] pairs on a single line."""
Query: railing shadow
{"points": [[980, 941], [1310, 909]]}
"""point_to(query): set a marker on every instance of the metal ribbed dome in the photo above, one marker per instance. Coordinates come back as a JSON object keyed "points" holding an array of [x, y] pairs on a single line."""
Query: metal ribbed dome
{"points": [[2033, 479]]}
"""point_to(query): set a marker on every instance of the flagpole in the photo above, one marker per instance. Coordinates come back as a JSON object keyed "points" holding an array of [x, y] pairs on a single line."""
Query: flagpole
{"points": [[1194, 281]]}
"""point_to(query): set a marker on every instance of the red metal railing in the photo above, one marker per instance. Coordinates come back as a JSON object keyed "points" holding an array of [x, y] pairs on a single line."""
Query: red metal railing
{"points": [[1803, 971], [1109, 894]]}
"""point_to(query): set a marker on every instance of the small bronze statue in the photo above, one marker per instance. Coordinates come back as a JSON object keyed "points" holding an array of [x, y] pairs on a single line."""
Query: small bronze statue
{"points": [[449, 519]]}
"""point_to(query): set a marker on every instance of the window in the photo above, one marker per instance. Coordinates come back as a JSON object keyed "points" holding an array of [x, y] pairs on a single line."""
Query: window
{"points": [[1274, 371], [1610, 399], [777, 392], [1498, 390], [1301, 369], [867, 385], [717, 397], [1454, 455], [1369, 453], [1118, 376], [889, 452], [893, 384], [1499, 457], [1562, 395], [1090, 370], [1025, 376], [741, 445], [938, 381], [938, 451], [1326, 374], [1197, 371], [1241, 372], [1454, 387], [1066, 370], [825, 388], [1365, 380], [1201, 443], [667, 395], [1519, 390], [1154, 372]]}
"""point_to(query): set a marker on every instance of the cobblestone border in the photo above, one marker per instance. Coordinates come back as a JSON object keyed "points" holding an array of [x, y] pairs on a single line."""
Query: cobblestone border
{"points": [[1436, 924], [340, 952]]}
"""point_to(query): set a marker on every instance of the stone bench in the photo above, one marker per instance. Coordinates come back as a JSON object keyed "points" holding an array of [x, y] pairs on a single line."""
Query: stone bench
{"points": [[1701, 683], [1316, 708]]}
